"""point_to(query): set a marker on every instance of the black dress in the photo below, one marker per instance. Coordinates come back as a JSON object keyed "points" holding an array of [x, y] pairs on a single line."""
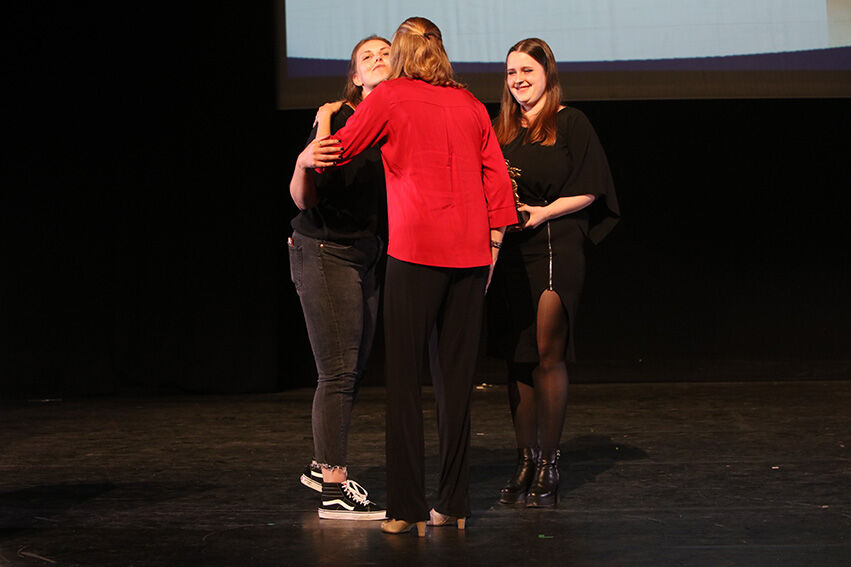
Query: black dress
{"points": [[551, 256]]}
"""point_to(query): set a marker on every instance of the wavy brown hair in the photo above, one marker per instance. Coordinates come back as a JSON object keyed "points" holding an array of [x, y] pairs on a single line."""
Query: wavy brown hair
{"points": [[417, 53], [352, 93], [543, 127]]}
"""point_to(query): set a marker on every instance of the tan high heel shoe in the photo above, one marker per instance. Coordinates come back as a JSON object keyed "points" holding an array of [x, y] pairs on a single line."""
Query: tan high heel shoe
{"points": [[437, 520], [402, 527]]}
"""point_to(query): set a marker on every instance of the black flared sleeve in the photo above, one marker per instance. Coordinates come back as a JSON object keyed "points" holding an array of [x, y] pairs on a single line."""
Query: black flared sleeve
{"points": [[590, 174]]}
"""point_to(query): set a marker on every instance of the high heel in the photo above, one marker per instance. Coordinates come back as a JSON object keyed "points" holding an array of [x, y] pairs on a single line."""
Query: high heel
{"points": [[437, 520], [544, 490], [515, 491], [402, 527]]}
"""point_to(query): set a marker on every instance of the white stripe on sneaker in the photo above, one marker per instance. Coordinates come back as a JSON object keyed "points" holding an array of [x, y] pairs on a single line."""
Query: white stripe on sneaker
{"points": [[342, 503], [310, 483]]}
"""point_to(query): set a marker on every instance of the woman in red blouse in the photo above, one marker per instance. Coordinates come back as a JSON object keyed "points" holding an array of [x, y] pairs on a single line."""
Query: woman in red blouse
{"points": [[449, 199]]}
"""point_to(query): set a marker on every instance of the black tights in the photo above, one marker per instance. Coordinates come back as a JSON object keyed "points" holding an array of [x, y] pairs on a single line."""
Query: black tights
{"points": [[538, 411]]}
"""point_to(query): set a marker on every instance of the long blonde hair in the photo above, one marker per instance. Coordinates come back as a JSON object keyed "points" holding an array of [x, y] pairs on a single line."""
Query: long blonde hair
{"points": [[543, 127], [417, 53], [352, 93]]}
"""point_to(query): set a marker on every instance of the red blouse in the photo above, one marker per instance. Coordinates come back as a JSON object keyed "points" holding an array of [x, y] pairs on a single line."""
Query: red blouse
{"points": [[447, 183]]}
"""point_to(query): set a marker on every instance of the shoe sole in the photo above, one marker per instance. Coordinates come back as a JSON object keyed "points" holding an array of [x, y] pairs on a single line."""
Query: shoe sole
{"points": [[346, 515], [551, 502], [310, 483]]}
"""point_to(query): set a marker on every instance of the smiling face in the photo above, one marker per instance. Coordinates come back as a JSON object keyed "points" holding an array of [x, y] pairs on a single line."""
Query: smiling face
{"points": [[526, 80], [372, 65]]}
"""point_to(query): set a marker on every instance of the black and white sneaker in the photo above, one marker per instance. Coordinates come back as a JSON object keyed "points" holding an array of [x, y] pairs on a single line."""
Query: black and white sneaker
{"points": [[312, 476], [348, 501]]}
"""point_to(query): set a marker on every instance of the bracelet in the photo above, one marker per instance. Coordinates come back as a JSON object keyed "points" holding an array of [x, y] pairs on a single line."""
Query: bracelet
{"points": [[495, 244]]}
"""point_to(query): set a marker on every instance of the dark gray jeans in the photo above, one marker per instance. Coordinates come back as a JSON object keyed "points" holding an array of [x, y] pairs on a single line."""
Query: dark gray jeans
{"points": [[338, 289]]}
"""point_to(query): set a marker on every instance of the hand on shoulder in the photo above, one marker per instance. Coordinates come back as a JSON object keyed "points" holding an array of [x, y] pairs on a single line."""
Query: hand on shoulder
{"points": [[327, 110]]}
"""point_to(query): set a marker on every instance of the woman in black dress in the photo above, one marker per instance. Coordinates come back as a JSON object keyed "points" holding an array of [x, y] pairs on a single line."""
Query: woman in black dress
{"points": [[564, 186]]}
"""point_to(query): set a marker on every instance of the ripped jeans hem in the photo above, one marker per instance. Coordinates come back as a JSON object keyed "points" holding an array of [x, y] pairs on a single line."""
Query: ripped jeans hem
{"points": [[327, 467]]}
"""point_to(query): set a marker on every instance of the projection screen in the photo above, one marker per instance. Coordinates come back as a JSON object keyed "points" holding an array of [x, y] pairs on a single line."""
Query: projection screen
{"points": [[613, 49]]}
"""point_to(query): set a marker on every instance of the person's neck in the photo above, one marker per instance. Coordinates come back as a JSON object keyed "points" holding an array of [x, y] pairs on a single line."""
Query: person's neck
{"points": [[528, 115]]}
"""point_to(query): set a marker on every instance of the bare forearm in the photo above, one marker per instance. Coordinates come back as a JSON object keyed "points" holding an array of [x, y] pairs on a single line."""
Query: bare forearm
{"points": [[323, 121], [558, 208], [302, 189], [496, 243], [497, 234], [566, 205]]}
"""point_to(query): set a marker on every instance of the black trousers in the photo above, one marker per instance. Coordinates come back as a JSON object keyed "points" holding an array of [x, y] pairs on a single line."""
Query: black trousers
{"points": [[417, 299]]}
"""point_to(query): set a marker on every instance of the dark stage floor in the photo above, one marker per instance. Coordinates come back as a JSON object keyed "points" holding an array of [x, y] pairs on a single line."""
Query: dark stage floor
{"points": [[707, 474]]}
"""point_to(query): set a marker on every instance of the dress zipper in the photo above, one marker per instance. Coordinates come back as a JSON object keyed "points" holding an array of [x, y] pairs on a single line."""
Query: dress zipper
{"points": [[550, 251]]}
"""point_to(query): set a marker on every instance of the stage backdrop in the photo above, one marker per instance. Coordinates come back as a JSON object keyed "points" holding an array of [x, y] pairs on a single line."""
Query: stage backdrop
{"points": [[145, 213], [619, 49]]}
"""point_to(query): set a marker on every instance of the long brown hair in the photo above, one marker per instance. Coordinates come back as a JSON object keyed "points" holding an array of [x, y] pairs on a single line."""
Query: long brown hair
{"points": [[417, 53], [352, 93], [543, 127]]}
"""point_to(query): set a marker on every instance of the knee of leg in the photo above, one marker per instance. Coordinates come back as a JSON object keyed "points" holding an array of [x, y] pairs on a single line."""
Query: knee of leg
{"points": [[549, 356], [344, 381]]}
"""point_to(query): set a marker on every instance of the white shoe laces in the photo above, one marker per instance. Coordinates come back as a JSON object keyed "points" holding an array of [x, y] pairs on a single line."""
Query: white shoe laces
{"points": [[356, 492]]}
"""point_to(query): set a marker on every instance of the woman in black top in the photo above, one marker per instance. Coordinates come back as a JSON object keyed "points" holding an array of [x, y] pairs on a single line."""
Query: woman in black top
{"points": [[564, 186], [336, 244]]}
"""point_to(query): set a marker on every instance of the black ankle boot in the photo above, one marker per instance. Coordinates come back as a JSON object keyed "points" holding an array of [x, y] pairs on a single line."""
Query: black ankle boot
{"points": [[544, 490], [515, 491]]}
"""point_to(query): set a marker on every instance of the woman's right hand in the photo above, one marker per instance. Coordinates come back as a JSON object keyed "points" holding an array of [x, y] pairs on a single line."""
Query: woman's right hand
{"points": [[319, 153], [327, 110], [537, 215]]}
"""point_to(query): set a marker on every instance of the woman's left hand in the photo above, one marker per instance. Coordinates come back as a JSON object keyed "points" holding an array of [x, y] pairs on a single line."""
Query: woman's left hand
{"points": [[537, 215]]}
